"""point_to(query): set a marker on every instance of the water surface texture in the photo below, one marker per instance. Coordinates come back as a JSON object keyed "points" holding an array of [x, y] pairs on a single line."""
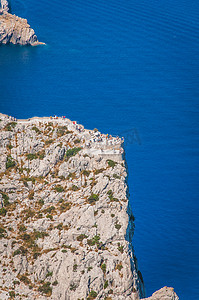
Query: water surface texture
{"points": [[128, 68]]}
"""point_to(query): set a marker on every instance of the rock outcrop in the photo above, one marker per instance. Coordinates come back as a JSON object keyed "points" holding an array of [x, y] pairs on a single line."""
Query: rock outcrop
{"points": [[14, 29], [166, 293], [66, 226]]}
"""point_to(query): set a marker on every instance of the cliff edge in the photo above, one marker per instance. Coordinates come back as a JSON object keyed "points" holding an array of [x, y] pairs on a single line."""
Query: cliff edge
{"points": [[66, 226], [14, 29]]}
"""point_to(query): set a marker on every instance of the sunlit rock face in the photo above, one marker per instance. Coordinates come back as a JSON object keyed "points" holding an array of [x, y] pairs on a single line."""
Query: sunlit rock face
{"points": [[14, 29]]}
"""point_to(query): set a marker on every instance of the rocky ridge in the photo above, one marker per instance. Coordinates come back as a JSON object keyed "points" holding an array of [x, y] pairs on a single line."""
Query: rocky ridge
{"points": [[66, 226], [14, 29]]}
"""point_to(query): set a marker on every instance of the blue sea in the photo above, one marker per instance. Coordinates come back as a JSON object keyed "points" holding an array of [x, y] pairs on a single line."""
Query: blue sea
{"points": [[129, 68]]}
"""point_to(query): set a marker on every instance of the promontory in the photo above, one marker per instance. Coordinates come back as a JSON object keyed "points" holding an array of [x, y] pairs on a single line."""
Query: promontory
{"points": [[66, 225], [13, 29]]}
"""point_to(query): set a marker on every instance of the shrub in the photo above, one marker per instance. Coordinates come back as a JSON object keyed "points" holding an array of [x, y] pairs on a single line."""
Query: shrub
{"points": [[116, 176], [5, 199], [74, 188], [9, 146], [62, 130], [73, 286], [3, 211], [36, 129], [92, 295], [17, 252], [120, 248], [98, 171], [119, 267], [2, 232], [81, 237], [75, 268], [46, 289], [49, 274], [86, 173], [112, 215], [58, 188], [10, 126], [106, 284], [65, 206], [12, 294], [118, 226], [77, 141], [55, 283], [72, 152], [94, 240], [103, 267], [31, 195], [10, 163], [48, 142], [31, 156], [111, 163], [93, 198], [24, 279]]}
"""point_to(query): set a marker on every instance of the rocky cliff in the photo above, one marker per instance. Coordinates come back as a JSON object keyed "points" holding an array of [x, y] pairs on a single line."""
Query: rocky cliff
{"points": [[66, 225], [15, 30]]}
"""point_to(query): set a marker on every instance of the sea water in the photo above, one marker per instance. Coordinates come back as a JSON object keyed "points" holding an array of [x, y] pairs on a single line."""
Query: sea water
{"points": [[129, 68]]}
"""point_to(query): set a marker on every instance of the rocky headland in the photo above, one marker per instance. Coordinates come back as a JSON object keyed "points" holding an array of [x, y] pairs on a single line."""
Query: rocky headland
{"points": [[66, 226], [14, 29]]}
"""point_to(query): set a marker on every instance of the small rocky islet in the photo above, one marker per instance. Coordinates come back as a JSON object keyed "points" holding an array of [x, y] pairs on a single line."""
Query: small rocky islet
{"points": [[66, 226], [15, 30]]}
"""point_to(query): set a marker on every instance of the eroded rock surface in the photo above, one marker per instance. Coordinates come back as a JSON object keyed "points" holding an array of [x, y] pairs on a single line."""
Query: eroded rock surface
{"points": [[66, 225], [166, 293], [14, 29]]}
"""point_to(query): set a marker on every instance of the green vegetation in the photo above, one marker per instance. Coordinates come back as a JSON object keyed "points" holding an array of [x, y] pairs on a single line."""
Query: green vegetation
{"points": [[86, 173], [111, 163], [36, 129], [94, 240], [77, 141], [120, 248], [3, 211], [9, 146], [49, 274], [81, 237], [116, 176], [75, 268], [12, 294], [103, 267], [92, 199], [119, 267], [40, 155], [10, 163], [62, 130], [118, 226], [45, 289], [74, 188], [98, 171], [5, 199], [24, 279], [58, 188], [55, 283], [72, 152], [106, 284], [2, 232], [92, 295], [110, 195], [10, 126], [73, 286], [17, 252]]}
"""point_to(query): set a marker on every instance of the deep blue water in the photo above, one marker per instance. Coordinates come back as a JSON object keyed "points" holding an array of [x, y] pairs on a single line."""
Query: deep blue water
{"points": [[131, 68]]}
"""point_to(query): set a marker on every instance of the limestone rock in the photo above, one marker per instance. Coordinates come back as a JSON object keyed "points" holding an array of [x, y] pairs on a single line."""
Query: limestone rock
{"points": [[14, 29], [166, 293], [66, 225]]}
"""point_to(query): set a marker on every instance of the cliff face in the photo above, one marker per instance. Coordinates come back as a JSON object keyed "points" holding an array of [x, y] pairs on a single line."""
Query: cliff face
{"points": [[13, 29], [66, 225]]}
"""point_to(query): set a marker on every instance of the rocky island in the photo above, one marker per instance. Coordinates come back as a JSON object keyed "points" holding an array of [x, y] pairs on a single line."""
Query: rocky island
{"points": [[66, 225], [14, 29]]}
